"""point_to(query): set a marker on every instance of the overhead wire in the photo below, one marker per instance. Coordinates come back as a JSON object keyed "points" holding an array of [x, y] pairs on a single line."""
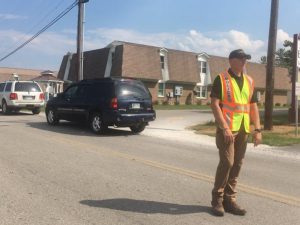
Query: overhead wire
{"points": [[57, 18], [46, 16], [40, 21]]}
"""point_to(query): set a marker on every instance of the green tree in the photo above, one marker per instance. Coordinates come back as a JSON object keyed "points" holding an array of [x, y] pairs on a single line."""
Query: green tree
{"points": [[283, 56]]}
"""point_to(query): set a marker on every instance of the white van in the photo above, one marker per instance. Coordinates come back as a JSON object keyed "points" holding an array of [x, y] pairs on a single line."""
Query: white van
{"points": [[17, 95]]}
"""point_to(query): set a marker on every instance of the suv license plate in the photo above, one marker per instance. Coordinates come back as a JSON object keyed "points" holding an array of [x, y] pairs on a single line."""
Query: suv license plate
{"points": [[136, 106], [28, 97]]}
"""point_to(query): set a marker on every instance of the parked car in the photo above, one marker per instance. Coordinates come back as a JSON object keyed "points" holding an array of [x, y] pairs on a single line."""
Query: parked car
{"points": [[17, 95], [102, 103]]}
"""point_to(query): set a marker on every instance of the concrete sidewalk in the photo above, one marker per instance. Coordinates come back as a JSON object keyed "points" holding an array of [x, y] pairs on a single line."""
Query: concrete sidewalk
{"points": [[173, 125]]}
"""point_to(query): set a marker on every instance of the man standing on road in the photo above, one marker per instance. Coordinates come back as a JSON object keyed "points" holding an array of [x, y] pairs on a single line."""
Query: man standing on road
{"points": [[234, 106]]}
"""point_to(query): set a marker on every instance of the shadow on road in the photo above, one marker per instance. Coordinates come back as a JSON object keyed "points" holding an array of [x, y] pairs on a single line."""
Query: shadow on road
{"points": [[148, 207], [77, 129]]}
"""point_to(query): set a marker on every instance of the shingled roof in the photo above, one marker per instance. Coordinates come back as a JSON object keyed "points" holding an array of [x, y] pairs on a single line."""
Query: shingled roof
{"points": [[24, 74], [6, 73], [94, 64]]}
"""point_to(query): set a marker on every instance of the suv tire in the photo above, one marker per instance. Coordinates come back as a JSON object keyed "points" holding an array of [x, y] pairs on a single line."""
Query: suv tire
{"points": [[96, 124], [36, 111], [5, 109], [51, 117], [138, 128]]}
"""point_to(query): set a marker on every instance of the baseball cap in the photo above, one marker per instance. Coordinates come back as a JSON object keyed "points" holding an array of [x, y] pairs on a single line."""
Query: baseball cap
{"points": [[239, 53]]}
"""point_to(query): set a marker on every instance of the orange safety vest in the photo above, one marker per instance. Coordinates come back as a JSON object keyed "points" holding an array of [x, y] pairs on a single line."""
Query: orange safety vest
{"points": [[236, 101]]}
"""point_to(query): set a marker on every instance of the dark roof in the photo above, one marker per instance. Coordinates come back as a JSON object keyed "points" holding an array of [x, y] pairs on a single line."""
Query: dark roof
{"points": [[94, 64], [183, 66], [141, 62]]}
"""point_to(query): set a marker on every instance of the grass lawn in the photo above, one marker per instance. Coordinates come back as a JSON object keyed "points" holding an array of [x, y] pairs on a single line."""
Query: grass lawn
{"points": [[283, 134]]}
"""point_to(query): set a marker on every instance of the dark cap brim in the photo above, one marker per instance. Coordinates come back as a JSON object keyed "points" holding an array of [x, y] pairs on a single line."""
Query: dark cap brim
{"points": [[247, 56], [240, 56]]}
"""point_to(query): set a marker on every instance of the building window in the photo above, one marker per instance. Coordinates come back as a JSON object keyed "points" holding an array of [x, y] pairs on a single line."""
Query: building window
{"points": [[201, 92], [112, 57], [162, 62], [161, 89], [203, 66]]}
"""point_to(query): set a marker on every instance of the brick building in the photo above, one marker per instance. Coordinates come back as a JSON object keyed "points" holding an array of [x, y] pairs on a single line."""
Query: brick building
{"points": [[171, 75]]}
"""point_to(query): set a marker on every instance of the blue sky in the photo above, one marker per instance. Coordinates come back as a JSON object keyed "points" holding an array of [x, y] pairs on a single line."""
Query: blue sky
{"points": [[215, 27]]}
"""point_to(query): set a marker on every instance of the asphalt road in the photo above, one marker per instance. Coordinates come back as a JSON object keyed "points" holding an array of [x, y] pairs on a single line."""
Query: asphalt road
{"points": [[67, 175]]}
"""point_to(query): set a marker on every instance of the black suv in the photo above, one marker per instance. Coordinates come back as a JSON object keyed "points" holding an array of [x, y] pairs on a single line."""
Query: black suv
{"points": [[102, 103]]}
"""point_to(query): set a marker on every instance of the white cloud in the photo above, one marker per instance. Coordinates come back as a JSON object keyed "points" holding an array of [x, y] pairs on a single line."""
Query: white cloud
{"points": [[47, 43], [44, 52], [219, 44], [281, 37], [8, 16], [53, 45]]}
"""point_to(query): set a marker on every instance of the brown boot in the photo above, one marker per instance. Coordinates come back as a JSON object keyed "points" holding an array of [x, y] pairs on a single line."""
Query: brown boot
{"points": [[217, 208], [234, 208]]}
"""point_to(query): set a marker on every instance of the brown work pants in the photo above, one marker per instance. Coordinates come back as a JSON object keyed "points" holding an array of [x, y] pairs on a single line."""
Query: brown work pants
{"points": [[231, 160]]}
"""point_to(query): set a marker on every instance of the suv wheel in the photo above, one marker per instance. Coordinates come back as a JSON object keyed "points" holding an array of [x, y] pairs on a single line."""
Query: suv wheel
{"points": [[5, 109], [51, 117], [138, 128], [96, 124], [36, 110]]}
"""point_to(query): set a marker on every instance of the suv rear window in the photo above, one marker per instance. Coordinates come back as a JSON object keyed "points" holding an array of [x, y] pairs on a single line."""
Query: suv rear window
{"points": [[132, 89], [27, 87], [2, 86], [8, 87]]}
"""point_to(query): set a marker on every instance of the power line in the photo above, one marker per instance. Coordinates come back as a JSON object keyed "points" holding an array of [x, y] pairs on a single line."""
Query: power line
{"points": [[40, 21], [62, 14]]}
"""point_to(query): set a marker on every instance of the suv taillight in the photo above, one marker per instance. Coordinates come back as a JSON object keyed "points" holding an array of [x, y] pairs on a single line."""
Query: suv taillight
{"points": [[114, 103], [42, 96], [13, 96]]}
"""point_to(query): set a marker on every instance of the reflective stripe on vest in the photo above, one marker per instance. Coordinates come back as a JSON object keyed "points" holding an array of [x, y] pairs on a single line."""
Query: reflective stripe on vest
{"points": [[236, 102]]}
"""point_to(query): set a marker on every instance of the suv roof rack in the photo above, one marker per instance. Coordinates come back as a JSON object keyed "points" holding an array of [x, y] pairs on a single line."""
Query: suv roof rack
{"points": [[95, 79], [104, 79]]}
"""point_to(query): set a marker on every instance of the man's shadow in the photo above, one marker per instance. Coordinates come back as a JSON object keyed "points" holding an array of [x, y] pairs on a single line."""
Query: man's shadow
{"points": [[148, 207]]}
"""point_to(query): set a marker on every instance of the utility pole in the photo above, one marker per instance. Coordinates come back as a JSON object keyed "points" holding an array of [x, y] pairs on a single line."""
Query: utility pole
{"points": [[268, 122], [294, 113], [80, 38], [294, 78]]}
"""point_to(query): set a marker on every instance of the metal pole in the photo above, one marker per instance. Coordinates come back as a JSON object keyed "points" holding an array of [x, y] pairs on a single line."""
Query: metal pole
{"points": [[268, 123], [80, 38], [297, 103], [294, 78], [297, 80], [296, 114]]}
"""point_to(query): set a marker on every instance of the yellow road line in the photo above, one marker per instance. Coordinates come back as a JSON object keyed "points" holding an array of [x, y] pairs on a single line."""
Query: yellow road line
{"points": [[290, 200]]}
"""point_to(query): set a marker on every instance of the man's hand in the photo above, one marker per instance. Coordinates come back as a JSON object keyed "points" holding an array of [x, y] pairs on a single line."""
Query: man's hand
{"points": [[228, 136], [257, 138]]}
